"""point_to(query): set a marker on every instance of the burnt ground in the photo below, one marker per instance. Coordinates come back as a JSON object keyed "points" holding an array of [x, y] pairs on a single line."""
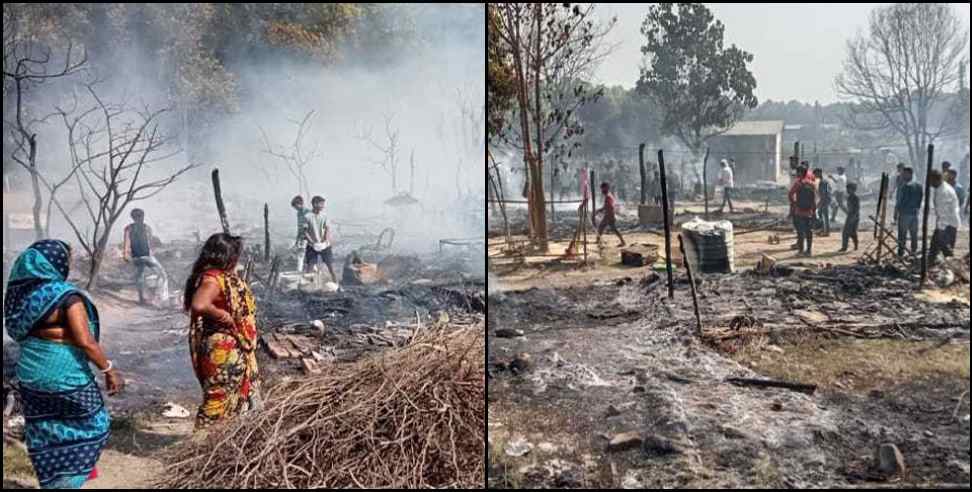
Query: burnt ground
{"points": [[618, 356]]}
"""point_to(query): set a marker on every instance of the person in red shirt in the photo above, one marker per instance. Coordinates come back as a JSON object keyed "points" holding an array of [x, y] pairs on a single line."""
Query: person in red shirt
{"points": [[803, 205], [610, 214]]}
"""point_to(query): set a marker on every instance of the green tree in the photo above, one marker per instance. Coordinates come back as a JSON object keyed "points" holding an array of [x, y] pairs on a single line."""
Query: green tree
{"points": [[701, 87]]}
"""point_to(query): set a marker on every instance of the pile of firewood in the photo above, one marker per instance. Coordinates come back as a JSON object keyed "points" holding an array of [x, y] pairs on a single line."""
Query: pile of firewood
{"points": [[409, 418]]}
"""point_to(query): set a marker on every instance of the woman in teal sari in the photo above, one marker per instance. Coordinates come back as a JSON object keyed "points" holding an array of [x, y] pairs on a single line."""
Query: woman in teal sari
{"points": [[56, 325]]}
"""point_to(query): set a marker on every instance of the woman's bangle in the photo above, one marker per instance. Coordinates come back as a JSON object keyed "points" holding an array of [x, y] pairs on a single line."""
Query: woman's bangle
{"points": [[111, 365]]}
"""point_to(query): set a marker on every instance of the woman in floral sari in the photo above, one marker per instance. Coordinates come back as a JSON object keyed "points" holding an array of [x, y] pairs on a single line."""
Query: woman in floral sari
{"points": [[222, 335], [57, 328]]}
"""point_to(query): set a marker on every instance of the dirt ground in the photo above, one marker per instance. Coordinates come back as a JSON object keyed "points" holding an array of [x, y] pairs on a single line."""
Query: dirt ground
{"points": [[603, 353]]}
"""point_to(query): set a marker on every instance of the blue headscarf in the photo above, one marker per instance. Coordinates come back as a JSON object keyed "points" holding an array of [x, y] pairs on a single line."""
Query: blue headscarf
{"points": [[38, 285]]}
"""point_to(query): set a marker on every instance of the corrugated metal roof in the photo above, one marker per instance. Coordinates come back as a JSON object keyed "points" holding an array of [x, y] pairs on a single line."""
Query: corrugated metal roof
{"points": [[755, 128]]}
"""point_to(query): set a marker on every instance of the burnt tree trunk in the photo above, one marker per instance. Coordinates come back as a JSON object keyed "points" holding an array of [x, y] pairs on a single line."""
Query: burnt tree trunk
{"points": [[220, 207]]}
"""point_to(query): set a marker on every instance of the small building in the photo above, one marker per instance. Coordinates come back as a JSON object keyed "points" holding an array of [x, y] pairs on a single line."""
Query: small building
{"points": [[757, 149]]}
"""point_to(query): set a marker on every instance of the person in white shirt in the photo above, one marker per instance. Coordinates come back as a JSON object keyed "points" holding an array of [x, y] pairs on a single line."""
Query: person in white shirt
{"points": [[840, 188], [947, 217], [727, 182], [318, 236]]}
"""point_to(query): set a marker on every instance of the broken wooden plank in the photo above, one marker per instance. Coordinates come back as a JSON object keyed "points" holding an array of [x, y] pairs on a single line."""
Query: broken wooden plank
{"points": [[310, 366], [766, 383], [276, 351]]}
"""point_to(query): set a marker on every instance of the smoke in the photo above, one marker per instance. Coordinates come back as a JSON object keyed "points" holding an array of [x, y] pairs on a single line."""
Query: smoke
{"points": [[431, 95]]}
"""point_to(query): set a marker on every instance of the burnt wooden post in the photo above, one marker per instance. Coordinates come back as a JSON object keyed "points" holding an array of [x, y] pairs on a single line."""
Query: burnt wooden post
{"points": [[593, 200], [668, 225], [695, 296], [219, 202], [882, 206], [705, 182], [266, 233], [881, 193], [924, 225], [886, 180], [644, 174]]}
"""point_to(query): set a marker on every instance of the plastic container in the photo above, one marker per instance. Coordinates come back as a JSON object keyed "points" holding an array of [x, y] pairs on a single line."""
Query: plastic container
{"points": [[709, 246]]}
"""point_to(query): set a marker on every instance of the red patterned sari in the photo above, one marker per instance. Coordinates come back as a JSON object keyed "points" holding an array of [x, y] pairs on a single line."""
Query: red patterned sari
{"points": [[224, 357]]}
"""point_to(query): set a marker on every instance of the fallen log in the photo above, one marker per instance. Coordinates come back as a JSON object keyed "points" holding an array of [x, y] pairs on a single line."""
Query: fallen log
{"points": [[809, 389]]}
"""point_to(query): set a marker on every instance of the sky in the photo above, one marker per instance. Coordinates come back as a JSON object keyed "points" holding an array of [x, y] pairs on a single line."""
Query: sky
{"points": [[798, 47]]}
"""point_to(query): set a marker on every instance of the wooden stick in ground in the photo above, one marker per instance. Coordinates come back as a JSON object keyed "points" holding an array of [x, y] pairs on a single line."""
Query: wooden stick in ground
{"points": [[883, 214], [220, 207], [593, 200], [924, 223], [761, 383], [705, 182], [668, 225], [266, 233], [695, 297], [644, 174], [880, 203]]}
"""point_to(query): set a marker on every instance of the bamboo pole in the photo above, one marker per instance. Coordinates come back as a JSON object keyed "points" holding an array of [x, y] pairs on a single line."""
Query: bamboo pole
{"points": [[883, 214]]}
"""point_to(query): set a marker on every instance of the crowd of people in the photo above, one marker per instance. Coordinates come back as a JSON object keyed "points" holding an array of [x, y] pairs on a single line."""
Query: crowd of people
{"points": [[816, 199]]}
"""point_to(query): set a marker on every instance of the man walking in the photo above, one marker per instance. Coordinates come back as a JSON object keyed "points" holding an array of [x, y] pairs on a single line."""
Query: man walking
{"points": [[727, 182], [138, 250], [907, 206], [947, 217], [610, 214]]}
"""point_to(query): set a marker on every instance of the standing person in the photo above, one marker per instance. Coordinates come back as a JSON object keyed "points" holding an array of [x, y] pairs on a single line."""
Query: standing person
{"points": [[840, 189], [223, 332], [853, 212], [655, 189], [907, 207], [951, 177], [803, 202], [318, 235], [826, 198], [300, 243], [728, 184], [610, 214], [58, 329], [138, 250], [898, 183], [947, 217]]}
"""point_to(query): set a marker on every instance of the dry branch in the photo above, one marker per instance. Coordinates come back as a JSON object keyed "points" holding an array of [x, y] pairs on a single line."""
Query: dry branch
{"points": [[411, 418]]}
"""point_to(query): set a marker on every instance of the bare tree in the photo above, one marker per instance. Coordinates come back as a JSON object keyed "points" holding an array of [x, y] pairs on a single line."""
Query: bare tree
{"points": [[26, 65], [387, 148], [113, 148], [904, 68], [298, 156], [553, 48]]}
